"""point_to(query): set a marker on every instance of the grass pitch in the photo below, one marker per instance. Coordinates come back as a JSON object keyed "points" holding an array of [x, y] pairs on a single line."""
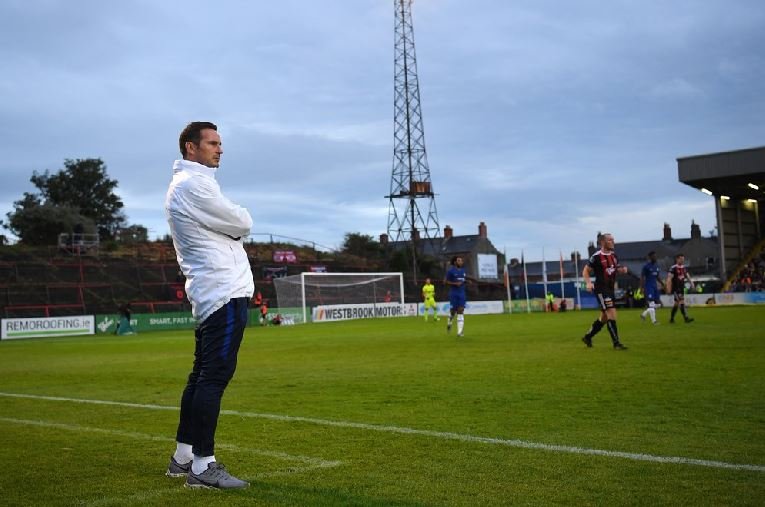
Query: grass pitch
{"points": [[398, 413]]}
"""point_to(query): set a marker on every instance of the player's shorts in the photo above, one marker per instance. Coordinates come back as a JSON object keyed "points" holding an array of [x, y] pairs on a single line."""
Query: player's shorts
{"points": [[605, 300], [457, 301], [652, 297], [679, 296], [430, 303]]}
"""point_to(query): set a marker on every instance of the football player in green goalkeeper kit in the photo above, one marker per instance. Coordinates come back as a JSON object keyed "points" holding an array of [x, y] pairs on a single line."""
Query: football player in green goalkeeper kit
{"points": [[429, 299]]}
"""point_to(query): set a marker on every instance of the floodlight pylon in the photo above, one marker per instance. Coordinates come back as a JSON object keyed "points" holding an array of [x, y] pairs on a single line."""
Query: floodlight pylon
{"points": [[410, 184]]}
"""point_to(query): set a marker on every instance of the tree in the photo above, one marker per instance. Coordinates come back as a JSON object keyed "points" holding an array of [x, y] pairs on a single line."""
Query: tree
{"points": [[133, 234], [36, 223], [361, 245], [81, 192]]}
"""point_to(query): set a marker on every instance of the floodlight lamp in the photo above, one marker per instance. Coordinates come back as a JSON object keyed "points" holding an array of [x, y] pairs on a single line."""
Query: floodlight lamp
{"points": [[753, 201], [725, 197], [706, 191], [752, 185]]}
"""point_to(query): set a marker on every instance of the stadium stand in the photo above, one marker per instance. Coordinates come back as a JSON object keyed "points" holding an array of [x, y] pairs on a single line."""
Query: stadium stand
{"points": [[38, 283], [750, 272]]}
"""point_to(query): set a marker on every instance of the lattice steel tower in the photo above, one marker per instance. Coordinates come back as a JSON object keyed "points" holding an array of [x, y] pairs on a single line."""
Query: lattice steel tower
{"points": [[410, 179]]}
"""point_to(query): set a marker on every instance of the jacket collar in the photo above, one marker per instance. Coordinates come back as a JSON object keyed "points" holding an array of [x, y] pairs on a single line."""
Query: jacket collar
{"points": [[195, 167]]}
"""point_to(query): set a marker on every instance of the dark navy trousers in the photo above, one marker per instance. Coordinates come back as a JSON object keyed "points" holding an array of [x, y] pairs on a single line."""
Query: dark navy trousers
{"points": [[217, 345]]}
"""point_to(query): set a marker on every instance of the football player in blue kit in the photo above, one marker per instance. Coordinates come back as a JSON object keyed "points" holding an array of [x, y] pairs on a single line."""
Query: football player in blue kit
{"points": [[650, 280], [455, 279]]}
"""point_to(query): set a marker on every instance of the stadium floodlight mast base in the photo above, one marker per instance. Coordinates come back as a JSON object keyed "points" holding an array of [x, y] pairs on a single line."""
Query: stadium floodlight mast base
{"points": [[310, 289]]}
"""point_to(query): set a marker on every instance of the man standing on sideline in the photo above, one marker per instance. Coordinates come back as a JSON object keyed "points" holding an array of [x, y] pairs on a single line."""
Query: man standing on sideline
{"points": [[604, 265], [676, 286], [208, 232], [455, 279], [429, 299], [649, 285]]}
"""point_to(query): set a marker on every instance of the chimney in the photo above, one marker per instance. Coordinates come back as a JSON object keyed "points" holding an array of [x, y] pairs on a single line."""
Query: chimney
{"points": [[591, 249], [482, 232], [448, 232], [384, 239], [667, 232], [695, 230], [576, 256]]}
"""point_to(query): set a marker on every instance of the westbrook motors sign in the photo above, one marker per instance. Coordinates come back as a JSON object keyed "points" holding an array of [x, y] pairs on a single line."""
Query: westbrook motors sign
{"points": [[328, 313], [47, 327]]}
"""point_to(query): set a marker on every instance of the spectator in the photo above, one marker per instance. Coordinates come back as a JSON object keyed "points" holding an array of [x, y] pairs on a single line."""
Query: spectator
{"points": [[630, 297], [264, 313]]}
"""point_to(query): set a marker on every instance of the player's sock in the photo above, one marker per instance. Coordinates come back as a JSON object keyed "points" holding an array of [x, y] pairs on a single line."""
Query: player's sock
{"points": [[645, 312], [183, 453], [674, 312], [460, 323], [200, 463], [611, 325], [682, 310], [594, 329], [652, 312]]}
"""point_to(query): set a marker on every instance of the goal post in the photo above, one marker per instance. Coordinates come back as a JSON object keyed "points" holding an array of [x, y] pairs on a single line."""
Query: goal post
{"points": [[300, 293]]}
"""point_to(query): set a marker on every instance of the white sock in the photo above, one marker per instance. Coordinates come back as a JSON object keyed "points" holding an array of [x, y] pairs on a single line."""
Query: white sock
{"points": [[645, 312], [183, 453], [460, 323], [200, 463], [652, 311]]}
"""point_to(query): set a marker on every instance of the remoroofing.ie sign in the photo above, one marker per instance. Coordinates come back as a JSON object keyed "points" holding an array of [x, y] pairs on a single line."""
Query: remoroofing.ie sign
{"points": [[48, 326]]}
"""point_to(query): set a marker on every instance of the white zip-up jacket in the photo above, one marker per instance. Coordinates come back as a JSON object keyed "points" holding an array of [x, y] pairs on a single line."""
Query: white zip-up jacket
{"points": [[208, 234]]}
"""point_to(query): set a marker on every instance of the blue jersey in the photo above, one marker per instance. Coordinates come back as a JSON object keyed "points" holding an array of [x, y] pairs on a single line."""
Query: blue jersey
{"points": [[456, 274], [650, 274], [457, 297]]}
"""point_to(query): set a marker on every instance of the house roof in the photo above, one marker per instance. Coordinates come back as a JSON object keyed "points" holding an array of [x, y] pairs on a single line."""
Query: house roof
{"points": [[440, 247]]}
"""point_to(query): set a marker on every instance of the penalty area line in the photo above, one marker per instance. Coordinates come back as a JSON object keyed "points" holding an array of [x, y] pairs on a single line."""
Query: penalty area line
{"points": [[522, 444]]}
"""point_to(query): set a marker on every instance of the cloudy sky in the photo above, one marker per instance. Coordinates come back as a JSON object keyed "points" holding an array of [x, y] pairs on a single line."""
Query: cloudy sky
{"points": [[548, 120]]}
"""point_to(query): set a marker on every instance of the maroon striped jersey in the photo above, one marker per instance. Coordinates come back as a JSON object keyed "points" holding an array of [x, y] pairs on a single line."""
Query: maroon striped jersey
{"points": [[604, 265]]}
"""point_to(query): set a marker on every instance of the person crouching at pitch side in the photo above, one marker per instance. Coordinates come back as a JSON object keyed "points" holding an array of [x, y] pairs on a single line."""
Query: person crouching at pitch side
{"points": [[605, 266], [208, 233]]}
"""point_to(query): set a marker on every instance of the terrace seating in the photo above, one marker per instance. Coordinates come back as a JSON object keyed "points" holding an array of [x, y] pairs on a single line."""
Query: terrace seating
{"points": [[37, 286]]}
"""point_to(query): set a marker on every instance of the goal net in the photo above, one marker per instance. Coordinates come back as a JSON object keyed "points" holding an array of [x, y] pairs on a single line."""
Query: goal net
{"points": [[297, 295]]}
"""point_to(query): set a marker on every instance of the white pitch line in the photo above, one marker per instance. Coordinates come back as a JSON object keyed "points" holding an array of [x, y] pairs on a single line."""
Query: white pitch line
{"points": [[434, 434], [311, 462]]}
